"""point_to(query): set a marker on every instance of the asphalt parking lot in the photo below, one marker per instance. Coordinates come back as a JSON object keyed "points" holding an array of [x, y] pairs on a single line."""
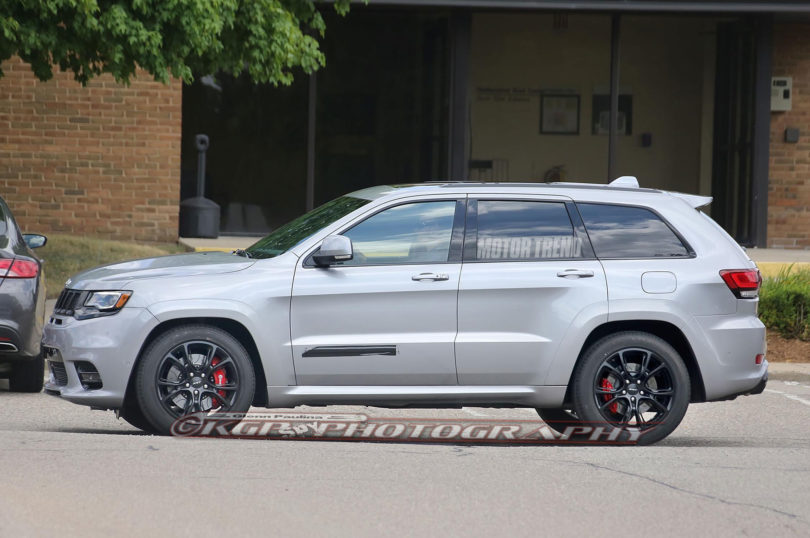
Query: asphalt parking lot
{"points": [[732, 468]]}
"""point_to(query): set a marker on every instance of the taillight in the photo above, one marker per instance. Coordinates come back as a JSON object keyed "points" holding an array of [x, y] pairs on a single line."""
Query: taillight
{"points": [[743, 283], [18, 268]]}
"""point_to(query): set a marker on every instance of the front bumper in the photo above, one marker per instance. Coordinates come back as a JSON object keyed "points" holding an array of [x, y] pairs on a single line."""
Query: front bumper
{"points": [[111, 344]]}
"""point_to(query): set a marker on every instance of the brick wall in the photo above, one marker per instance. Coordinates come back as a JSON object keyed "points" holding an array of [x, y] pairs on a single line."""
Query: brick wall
{"points": [[789, 188], [101, 160]]}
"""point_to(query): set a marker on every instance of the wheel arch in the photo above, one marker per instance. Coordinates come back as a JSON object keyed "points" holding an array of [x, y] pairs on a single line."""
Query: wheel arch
{"points": [[666, 331], [232, 327]]}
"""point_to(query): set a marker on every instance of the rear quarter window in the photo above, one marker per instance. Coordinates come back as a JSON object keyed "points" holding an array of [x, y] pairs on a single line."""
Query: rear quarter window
{"points": [[618, 231]]}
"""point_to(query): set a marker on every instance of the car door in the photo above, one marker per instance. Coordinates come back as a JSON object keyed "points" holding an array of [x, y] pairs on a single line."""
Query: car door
{"points": [[529, 271], [388, 316]]}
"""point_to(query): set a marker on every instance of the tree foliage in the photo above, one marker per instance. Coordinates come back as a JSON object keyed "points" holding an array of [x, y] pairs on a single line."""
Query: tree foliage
{"points": [[168, 38]]}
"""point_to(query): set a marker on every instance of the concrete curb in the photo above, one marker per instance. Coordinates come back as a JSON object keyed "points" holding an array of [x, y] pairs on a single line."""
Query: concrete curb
{"points": [[223, 243], [789, 371]]}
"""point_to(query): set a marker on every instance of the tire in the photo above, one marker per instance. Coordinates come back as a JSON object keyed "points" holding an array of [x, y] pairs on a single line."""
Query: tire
{"points": [[133, 415], [187, 386], [27, 375], [559, 419], [634, 380]]}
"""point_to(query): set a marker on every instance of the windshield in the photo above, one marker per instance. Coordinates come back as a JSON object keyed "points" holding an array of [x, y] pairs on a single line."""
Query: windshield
{"points": [[286, 237]]}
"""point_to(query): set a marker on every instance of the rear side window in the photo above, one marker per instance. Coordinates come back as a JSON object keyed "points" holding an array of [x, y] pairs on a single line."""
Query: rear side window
{"points": [[629, 232], [515, 230]]}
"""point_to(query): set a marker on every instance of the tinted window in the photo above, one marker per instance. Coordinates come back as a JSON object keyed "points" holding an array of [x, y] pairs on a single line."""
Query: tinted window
{"points": [[7, 225], [292, 233], [629, 232], [512, 230], [408, 233], [2, 221]]}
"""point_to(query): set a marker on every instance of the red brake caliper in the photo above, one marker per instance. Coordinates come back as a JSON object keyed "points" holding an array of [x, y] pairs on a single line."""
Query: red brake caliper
{"points": [[219, 379], [607, 385]]}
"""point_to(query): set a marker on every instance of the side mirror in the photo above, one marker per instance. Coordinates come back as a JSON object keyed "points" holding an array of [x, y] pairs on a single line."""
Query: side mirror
{"points": [[35, 240], [334, 248]]}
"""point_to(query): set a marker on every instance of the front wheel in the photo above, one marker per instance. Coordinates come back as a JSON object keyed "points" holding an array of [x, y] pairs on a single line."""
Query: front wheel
{"points": [[633, 380], [559, 419], [193, 369]]}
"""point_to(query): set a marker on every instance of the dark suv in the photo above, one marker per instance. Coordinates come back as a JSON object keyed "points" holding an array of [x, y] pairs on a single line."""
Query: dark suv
{"points": [[22, 306]]}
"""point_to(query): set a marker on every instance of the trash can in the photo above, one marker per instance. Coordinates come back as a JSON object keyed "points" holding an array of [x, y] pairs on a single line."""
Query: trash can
{"points": [[199, 216]]}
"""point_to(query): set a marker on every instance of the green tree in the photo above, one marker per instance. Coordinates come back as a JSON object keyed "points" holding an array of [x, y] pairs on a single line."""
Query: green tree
{"points": [[168, 38]]}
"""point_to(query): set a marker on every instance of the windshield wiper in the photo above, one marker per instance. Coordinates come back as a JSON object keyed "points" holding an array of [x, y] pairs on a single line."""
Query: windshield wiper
{"points": [[242, 252]]}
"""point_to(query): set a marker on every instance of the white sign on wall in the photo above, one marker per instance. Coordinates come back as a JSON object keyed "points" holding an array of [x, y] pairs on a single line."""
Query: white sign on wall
{"points": [[781, 94]]}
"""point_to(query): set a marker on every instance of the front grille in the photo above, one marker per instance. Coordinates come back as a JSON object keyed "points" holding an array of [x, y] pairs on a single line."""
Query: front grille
{"points": [[67, 302], [59, 372]]}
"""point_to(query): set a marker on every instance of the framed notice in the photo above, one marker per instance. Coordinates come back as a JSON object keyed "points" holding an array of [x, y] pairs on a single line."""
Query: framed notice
{"points": [[559, 114], [600, 119]]}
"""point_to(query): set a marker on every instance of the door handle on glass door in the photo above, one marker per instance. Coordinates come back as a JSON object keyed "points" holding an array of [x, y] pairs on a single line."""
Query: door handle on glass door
{"points": [[430, 276], [575, 273]]}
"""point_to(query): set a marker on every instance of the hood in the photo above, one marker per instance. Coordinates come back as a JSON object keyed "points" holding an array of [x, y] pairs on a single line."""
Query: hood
{"points": [[198, 263]]}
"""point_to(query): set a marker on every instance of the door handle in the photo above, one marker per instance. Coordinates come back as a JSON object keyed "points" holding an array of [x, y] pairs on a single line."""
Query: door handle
{"points": [[575, 273], [430, 276]]}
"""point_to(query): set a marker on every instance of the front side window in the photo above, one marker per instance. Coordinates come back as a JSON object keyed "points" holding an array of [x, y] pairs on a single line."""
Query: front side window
{"points": [[409, 233], [516, 230], [629, 232]]}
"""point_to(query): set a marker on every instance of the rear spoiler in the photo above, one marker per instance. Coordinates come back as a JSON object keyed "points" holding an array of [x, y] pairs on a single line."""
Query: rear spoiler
{"points": [[693, 199]]}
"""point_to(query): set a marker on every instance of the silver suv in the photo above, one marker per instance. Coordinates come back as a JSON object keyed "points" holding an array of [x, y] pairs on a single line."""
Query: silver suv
{"points": [[611, 304]]}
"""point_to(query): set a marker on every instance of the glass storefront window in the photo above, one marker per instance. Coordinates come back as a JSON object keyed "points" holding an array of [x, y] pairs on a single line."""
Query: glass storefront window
{"points": [[381, 117], [256, 165], [532, 79], [382, 111]]}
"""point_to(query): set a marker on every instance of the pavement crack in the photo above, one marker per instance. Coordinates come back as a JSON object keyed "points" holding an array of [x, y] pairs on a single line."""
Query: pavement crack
{"points": [[691, 492]]}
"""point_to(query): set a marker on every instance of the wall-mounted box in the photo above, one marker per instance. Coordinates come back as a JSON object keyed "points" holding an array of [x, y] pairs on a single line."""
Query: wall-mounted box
{"points": [[781, 94]]}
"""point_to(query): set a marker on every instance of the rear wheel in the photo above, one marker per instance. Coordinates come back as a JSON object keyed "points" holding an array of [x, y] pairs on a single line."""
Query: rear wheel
{"points": [[193, 369], [27, 375], [633, 380]]}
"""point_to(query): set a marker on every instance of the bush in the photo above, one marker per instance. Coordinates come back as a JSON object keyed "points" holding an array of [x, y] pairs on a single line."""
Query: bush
{"points": [[784, 303]]}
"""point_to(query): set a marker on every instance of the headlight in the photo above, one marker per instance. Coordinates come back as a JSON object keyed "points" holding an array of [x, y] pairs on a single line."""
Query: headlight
{"points": [[102, 303]]}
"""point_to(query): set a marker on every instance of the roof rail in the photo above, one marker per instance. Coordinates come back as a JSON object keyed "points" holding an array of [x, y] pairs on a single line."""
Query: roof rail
{"points": [[629, 182]]}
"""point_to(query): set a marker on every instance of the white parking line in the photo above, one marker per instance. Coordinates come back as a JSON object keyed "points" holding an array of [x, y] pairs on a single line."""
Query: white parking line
{"points": [[790, 396], [795, 384]]}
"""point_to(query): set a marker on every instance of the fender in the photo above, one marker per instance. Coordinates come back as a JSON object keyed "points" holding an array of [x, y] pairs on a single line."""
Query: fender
{"points": [[586, 321], [272, 336], [670, 312], [589, 319]]}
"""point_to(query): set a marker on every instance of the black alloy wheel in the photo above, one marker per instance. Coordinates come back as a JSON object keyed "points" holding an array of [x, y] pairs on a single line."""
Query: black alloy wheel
{"points": [[193, 369], [635, 381]]}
